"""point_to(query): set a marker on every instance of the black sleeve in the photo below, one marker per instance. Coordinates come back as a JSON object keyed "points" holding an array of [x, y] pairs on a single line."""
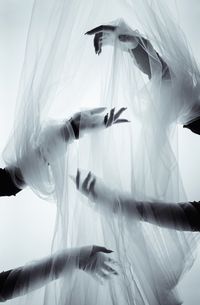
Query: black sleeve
{"points": [[75, 128], [7, 185], [7, 284], [194, 126], [192, 211]]}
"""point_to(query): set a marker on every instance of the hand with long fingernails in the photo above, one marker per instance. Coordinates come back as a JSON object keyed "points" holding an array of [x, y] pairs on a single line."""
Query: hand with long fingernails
{"points": [[91, 120], [95, 261], [94, 189], [124, 37]]}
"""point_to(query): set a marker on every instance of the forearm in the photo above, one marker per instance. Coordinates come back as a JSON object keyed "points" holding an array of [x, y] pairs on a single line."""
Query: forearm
{"points": [[148, 60], [183, 216], [33, 276]]}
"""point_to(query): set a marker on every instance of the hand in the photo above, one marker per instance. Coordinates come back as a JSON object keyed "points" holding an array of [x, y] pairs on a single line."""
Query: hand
{"points": [[93, 260], [94, 189], [91, 120], [126, 38], [87, 186]]}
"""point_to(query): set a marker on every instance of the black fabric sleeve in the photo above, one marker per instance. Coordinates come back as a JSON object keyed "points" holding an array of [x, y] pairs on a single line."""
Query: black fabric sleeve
{"points": [[7, 185], [183, 216], [75, 128], [194, 215], [194, 126], [7, 284]]}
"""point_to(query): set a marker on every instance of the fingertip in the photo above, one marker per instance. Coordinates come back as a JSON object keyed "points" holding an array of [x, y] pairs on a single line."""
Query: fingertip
{"points": [[108, 250], [87, 33], [122, 121]]}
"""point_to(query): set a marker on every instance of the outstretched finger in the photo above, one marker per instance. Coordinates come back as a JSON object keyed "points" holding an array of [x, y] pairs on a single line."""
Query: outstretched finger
{"points": [[78, 179], [100, 249], [91, 188], [86, 181], [117, 115], [106, 119], [97, 43], [121, 121], [101, 28], [111, 117], [109, 269]]}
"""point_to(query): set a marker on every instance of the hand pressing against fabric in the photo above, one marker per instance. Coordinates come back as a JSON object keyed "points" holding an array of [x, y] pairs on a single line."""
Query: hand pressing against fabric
{"points": [[92, 120], [95, 261], [124, 37], [93, 188]]}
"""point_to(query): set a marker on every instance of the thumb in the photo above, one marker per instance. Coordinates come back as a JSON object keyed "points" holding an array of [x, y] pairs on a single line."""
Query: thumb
{"points": [[101, 249]]}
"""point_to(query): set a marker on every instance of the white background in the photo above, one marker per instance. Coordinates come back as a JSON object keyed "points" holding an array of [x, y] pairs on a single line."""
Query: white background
{"points": [[26, 222]]}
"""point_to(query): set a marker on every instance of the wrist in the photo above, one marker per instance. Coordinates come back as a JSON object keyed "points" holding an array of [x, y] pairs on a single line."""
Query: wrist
{"points": [[75, 128], [68, 131]]}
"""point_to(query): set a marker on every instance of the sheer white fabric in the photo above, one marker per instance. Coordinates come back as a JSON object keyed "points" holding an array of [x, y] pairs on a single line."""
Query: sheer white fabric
{"points": [[61, 74]]}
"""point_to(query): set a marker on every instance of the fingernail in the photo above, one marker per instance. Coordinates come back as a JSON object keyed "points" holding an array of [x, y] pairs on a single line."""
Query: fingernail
{"points": [[109, 251]]}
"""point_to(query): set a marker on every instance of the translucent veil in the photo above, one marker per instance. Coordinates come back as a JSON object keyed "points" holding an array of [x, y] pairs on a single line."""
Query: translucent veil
{"points": [[61, 74]]}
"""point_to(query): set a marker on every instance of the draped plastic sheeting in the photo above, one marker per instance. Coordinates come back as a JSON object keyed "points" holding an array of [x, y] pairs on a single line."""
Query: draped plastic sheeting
{"points": [[61, 74]]}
